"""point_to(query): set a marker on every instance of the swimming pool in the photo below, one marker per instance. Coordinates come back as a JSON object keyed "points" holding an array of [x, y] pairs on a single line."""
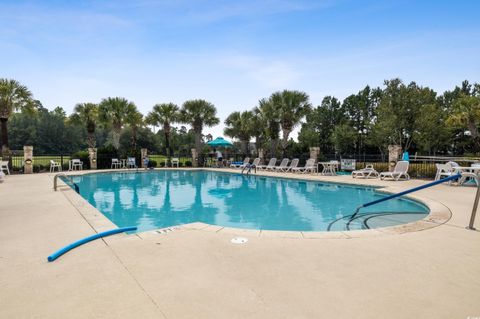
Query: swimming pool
{"points": [[164, 198]]}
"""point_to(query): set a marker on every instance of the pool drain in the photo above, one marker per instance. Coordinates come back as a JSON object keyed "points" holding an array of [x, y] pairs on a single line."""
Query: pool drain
{"points": [[239, 240]]}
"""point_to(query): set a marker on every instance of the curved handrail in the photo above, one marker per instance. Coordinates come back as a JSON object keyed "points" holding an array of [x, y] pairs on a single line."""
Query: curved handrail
{"points": [[55, 178]]}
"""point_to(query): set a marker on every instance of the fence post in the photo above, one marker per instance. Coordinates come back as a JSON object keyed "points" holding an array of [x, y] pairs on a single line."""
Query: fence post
{"points": [[314, 152], [474, 209], [28, 159], [143, 155], [394, 152]]}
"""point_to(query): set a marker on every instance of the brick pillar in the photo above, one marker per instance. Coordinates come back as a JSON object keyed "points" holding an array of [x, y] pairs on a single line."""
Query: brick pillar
{"points": [[194, 157], [314, 152], [92, 155], [394, 153], [261, 155], [28, 159], [143, 154]]}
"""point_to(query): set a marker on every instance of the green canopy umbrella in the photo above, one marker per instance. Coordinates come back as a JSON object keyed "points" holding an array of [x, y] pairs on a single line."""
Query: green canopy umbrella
{"points": [[220, 141]]}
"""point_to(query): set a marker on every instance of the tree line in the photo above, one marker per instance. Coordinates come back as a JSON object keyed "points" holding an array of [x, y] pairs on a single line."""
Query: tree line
{"points": [[414, 117]]}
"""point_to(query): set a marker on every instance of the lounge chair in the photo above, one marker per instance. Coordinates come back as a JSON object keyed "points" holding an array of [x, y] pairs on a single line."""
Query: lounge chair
{"points": [[283, 165], [293, 164], [401, 169], [4, 167], [309, 167], [269, 166], [241, 165], [366, 172], [116, 163], [54, 165], [131, 162]]}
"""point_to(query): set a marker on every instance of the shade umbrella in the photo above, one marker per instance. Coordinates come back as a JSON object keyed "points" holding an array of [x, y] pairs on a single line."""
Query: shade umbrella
{"points": [[220, 141]]}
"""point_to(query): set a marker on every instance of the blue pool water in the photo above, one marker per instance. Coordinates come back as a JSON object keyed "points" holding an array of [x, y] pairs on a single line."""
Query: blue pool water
{"points": [[158, 199]]}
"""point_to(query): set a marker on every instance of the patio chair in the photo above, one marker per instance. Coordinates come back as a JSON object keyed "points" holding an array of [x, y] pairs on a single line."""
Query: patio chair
{"points": [[241, 165], [401, 169], [269, 166], [2, 176], [131, 162], [366, 172], [309, 167], [293, 164], [334, 164], [175, 161], [54, 165], [116, 163], [283, 165], [444, 170], [76, 163], [4, 167]]}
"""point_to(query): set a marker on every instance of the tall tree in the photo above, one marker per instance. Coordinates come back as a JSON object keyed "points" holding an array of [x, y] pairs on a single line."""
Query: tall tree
{"points": [[113, 111], [199, 113], [292, 107], [268, 115], [466, 114], [13, 96], [164, 115], [134, 119], [86, 114], [240, 125]]}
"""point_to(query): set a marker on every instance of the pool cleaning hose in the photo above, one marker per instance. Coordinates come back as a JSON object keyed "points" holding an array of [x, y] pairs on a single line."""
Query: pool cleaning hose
{"points": [[85, 240]]}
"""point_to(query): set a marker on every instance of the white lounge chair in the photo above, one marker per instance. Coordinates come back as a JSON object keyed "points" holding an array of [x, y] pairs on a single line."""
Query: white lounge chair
{"points": [[116, 163], [131, 162], [269, 166], [76, 163], [401, 169], [309, 167], [54, 165], [245, 162], [4, 167], [175, 161], [366, 172], [283, 165], [293, 164]]}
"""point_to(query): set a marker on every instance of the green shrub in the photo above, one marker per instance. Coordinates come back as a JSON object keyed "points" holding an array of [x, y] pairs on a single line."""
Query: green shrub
{"points": [[188, 163]]}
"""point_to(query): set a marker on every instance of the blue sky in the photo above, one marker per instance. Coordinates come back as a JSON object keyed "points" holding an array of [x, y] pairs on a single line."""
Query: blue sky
{"points": [[232, 53]]}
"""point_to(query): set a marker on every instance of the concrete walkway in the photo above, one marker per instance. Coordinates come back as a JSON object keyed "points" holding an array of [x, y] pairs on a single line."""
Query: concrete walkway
{"points": [[195, 272]]}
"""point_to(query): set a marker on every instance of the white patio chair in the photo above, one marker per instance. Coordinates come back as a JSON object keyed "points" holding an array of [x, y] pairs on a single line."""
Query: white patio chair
{"points": [[54, 165], [293, 164], [283, 165], [131, 162], [175, 161], [269, 166], [309, 167], [4, 167], [76, 163], [444, 170], [366, 172], [334, 166], [401, 169], [116, 163]]}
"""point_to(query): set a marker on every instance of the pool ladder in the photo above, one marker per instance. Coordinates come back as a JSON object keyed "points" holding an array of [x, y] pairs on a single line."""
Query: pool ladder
{"points": [[55, 182], [249, 167]]}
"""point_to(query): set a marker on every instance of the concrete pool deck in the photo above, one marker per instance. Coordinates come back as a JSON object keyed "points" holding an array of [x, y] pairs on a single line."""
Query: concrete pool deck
{"points": [[194, 271]]}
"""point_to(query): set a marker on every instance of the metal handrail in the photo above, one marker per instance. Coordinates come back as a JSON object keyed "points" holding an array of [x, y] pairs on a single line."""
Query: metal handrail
{"points": [[55, 178]]}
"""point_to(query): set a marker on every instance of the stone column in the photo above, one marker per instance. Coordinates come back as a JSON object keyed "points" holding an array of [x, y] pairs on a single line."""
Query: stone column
{"points": [[143, 154], [261, 155], [28, 159], [394, 153], [92, 155], [194, 157], [314, 152]]}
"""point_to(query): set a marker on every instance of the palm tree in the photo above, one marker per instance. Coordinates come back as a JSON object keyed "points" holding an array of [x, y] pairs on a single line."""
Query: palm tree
{"points": [[134, 119], [113, 111], [165, 115], [13, 96], [240, 125], [466, 113], [199, 113], [292, 107], [267, 114], [87, 114]]}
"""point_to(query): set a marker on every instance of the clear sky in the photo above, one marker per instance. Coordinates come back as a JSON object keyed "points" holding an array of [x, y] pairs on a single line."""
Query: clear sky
{"points": [[232, 53]]}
